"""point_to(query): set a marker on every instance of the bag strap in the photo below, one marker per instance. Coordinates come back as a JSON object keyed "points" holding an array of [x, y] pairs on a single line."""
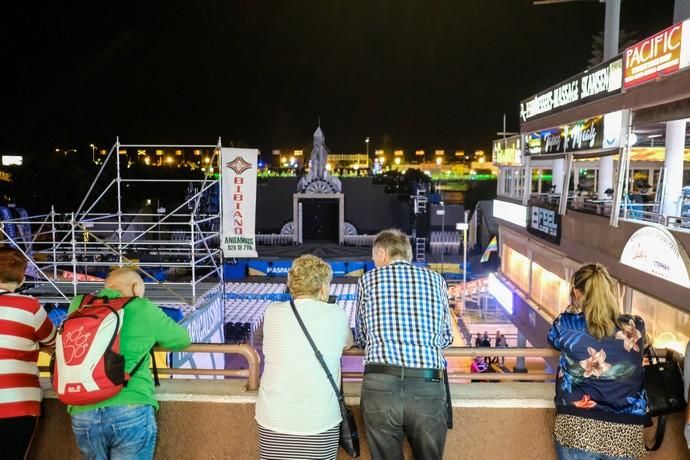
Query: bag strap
{"points": [[155, 367], [317, 353], [659, 435]]}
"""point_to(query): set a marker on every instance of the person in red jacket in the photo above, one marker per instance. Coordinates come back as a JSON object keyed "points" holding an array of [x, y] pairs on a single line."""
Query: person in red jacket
{"points": [[24, 326]]}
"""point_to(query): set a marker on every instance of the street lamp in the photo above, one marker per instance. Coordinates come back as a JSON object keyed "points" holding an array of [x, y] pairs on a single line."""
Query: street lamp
{"points": [[463, 226], [442, 213], [93, 152], [65, 151], [366, 141]]}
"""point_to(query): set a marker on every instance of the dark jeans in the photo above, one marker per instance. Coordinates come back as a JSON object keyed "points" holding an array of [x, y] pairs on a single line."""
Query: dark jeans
{"points": [[16, 434], [568, 453], [393, 407]]}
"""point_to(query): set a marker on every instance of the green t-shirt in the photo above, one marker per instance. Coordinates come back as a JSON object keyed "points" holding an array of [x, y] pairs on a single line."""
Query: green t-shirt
{"points": [[144, 326]]}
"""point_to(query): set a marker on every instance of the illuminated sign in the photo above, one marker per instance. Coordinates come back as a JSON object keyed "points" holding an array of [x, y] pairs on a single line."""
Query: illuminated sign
{"points": [[598, 82], [545, 223], [660, 54], [501, 293], [12, 160], [510, 212], [507, 151], [654, 250], [596, 133]]}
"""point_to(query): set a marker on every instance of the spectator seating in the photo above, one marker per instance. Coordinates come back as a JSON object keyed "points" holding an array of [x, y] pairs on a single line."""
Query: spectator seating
{"points": [[445, 243], [274, 239]]}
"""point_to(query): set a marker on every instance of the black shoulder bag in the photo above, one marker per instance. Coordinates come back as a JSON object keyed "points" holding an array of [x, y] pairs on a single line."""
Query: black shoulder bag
{"points": [[349, 438], [665, 391]]}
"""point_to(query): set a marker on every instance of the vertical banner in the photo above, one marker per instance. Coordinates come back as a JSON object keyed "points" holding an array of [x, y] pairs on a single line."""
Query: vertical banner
{"points": [[238, 170]]}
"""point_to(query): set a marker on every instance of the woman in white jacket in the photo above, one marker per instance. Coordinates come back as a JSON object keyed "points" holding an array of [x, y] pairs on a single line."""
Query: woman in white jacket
{"points": [[297, 411]]}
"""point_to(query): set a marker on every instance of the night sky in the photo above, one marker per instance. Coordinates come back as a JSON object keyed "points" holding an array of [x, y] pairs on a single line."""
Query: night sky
{"points": [[409, 74]]}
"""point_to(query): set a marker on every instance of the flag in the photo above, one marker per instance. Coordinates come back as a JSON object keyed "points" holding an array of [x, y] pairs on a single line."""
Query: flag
{"points": [[493, 246]]}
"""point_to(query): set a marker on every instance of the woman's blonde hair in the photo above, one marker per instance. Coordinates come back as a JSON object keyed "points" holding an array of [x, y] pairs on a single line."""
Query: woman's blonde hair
{"points": [[598, 301], [307, 274], [396, 244]]}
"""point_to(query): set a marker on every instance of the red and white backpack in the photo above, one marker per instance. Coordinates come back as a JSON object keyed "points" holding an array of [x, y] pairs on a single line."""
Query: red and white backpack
{"points": [[87, 366]]}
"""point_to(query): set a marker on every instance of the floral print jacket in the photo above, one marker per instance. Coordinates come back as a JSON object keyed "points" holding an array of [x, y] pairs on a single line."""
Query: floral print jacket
{"points": [[601, 379]]}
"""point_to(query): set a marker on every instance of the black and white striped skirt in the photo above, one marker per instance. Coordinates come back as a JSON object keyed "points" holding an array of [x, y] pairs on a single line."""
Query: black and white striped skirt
{"points": [[280, 446]]}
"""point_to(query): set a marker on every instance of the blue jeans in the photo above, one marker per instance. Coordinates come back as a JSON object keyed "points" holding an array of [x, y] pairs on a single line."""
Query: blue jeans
{"points": [[393, 407], [568, 453], [116, 433]]}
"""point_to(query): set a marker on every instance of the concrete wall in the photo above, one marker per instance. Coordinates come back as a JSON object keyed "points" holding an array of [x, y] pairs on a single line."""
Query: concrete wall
{"points": [[215, 420]]}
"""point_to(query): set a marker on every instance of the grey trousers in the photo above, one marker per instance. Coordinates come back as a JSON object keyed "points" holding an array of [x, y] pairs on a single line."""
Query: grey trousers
{"points": [[393, 407]]}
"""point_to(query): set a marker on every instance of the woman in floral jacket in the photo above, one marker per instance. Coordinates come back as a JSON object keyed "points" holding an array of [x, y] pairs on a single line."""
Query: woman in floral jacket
{"points": [[600, 398]]}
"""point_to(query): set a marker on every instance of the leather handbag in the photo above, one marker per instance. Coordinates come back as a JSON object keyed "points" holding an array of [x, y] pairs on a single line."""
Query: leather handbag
{"points": [[665, 390], [349, 437]]}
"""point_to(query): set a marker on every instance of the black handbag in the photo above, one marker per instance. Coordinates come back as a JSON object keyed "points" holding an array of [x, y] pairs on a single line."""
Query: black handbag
{"points": [[665, 390], [349, 438]]}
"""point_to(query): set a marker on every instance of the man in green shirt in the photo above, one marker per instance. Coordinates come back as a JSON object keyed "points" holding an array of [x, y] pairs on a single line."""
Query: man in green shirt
{"points": [[124, 426]]}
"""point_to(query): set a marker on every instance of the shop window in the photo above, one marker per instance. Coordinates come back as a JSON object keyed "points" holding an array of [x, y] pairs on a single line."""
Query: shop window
{"points": [[586, 180], [549, 290], [515, 266], [668, 327]]}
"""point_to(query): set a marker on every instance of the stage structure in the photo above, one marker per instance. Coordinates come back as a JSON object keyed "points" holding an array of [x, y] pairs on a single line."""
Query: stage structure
{"points": [[318, 210], [71, 252]]}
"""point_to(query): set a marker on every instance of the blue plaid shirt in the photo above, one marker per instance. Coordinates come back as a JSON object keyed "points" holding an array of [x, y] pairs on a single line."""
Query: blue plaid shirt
{"points": [[402, 316]]}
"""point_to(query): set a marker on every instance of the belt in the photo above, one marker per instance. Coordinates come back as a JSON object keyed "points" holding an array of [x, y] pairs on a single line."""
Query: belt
{"points": [[405, 372]]}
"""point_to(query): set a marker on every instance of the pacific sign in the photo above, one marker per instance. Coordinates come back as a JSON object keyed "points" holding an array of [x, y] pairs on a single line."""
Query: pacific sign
{"points": [[661, 54], [600, 81]]}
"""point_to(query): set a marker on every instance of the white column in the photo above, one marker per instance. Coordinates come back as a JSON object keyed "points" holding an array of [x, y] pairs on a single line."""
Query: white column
{"points": [[557, 171], [611, 32], [681, 10], [605, 175], [673, 163]]}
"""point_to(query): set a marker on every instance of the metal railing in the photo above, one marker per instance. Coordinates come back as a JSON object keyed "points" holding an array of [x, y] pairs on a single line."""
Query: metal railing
{"points": [[466, 352], [247, 351]]}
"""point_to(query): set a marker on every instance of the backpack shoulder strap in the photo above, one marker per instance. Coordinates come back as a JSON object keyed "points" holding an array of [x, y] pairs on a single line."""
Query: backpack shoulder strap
{"points": [[119, 303]]}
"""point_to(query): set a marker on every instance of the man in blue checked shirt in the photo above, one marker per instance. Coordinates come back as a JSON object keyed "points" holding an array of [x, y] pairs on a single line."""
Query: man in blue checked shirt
{"points": [[403, 324]]}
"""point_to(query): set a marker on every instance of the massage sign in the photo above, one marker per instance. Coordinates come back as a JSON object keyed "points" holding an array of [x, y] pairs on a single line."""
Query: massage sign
{"points": [[239, 168], [661, 54]]}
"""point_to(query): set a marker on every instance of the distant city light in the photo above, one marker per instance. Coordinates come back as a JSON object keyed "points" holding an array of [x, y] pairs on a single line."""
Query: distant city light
{"points": [[378, 152], [419, 153], [398, 153], [168, 160], [439, 153], [328, 167], [397, 161], [147, 160], [159, 152], [439, 160], [207, 160]]}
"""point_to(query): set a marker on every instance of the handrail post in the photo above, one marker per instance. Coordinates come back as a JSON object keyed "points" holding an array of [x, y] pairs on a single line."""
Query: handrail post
{"points": [[52, 231], [74, 255]]}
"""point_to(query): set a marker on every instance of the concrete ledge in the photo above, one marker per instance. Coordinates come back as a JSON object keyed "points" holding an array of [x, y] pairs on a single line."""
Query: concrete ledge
{"points": [[214, 419]]}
